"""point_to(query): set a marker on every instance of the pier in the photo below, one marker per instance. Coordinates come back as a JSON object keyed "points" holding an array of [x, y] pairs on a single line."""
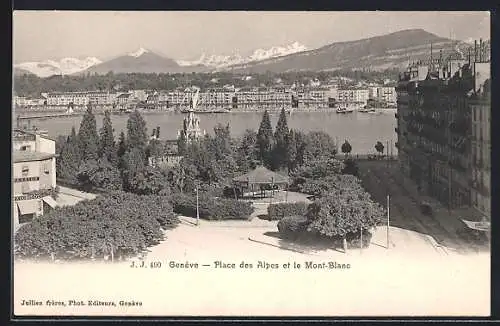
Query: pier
{"points": [[49, 115]]}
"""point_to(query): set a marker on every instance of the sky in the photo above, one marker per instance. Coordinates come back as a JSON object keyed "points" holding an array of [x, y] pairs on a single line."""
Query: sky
{"points": [[42, 35]]}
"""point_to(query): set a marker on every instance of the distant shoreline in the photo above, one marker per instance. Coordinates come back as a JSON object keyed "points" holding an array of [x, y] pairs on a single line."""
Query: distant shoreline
{"points": [[26, 113]]}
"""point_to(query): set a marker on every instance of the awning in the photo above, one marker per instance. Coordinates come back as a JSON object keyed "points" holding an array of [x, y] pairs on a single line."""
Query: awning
{"points": [[50, 201], [479, 226], [27, 206]]}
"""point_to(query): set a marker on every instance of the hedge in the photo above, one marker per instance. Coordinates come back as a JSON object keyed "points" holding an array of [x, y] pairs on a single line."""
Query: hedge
{"points": [[115, 225], [292, 226], [211, 208], [278, 211]]}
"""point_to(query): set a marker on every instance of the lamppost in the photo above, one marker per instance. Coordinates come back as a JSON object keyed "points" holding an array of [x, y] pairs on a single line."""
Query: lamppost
{"points": [[197, 207], [388, 216]]}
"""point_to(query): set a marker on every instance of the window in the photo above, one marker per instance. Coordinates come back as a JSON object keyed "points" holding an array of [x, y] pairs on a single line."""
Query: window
{"points": [[40, 205], [26, 148], [25, 170]]}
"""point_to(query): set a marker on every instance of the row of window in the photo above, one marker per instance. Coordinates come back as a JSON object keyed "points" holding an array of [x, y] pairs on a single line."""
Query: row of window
{"points": [[25, 169], [26, 179]]}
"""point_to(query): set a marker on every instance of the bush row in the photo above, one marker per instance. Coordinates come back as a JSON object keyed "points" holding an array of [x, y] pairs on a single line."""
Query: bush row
{"points": [[278, 211], [296, 228], [211, 208], [114, 225]]}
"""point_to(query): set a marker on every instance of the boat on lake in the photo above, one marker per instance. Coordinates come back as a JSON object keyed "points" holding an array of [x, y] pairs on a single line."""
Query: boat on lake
{"points": [[366, 109], [346, 108]]}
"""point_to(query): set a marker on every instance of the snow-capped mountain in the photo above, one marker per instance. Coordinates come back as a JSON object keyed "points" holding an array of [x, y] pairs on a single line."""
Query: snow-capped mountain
{"points": [[65, 66], [220, 61], [138, 53], [140, 61]]}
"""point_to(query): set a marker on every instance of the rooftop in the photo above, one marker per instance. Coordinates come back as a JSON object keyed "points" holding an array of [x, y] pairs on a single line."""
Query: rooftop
{"points": [[18, 133]]}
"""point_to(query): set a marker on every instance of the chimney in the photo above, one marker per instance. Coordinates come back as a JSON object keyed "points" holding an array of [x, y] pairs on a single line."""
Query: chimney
{"points": [[475, 50], [480, 50]]}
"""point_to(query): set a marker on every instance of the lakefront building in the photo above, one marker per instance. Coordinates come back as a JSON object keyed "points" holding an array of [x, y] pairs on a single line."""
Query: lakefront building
{"points": [[33, 175], [443, 129], [354, 95]]}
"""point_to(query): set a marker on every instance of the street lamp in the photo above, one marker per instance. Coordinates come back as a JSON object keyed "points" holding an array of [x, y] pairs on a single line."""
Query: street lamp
{"points": [[388, 216], [197, 208]]}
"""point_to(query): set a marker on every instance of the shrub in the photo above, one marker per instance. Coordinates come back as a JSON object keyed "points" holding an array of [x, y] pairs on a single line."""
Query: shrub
{"points": [[117, 224], [211, 208], [278, 211], [342, 212], [231, 192], [292, 226], [354, 239]]}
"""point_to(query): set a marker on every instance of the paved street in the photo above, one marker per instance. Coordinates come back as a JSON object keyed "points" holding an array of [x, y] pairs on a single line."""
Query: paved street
{"points": [[382, 178]]}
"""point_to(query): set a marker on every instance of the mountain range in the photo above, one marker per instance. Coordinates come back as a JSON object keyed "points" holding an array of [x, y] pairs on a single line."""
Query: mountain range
{"points": [[64, 66], [376, 53]]}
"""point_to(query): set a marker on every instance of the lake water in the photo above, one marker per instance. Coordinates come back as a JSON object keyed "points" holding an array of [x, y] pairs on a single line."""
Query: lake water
{"points": [[362, 130]]}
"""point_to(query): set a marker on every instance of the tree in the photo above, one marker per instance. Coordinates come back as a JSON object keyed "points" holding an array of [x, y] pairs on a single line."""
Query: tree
{"points": [[300, 140], [99, 174], [265, 138], [344, 211], [319, 144], [137, 136], [149, 181], [281, 135], [346, 148], [155, 148], [133, 162], [181, 144], [379, 147], [69, 160], [107, 148], [246, 153], [292, 151], [182, 177], [116, 224], [88, 138], [221, 142], [121, 150]]}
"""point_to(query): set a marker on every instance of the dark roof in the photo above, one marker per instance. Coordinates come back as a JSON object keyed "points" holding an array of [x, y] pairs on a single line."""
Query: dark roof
{"points": [[261, 175], [27, 156]]}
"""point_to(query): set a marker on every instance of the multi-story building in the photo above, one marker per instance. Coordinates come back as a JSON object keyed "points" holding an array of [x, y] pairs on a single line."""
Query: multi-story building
{"points": [[480, 105], [80, 98], [216, 98], [262, 97], [67, 98], [123, 101], [442, 146], [101, 98], [139, 94], [33, 174], [386, 94], [373, 92], [19, 101], [354, 95]]}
